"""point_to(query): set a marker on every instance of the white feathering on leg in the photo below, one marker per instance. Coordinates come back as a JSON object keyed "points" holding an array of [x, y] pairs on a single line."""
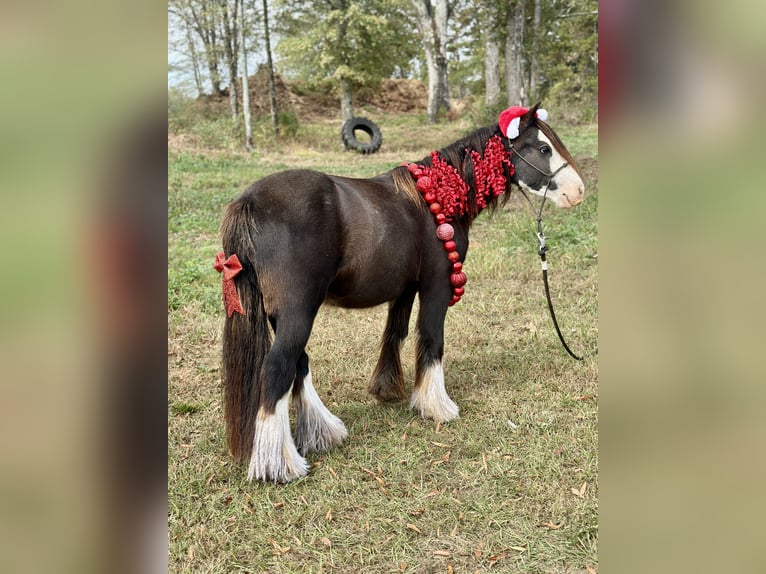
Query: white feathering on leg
{"points": [[316, 428], [430, 397], [274, 456]]}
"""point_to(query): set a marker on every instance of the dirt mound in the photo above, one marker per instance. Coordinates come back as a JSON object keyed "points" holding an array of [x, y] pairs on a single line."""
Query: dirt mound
{"points": [[397, 95], [393, 95]]}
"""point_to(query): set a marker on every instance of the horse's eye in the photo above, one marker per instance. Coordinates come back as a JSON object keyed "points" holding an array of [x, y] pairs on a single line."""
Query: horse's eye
{"points": [[545, 150]]}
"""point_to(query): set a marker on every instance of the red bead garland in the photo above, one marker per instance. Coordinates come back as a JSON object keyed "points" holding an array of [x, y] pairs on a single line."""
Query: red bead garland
{"points": [[446, 194]]}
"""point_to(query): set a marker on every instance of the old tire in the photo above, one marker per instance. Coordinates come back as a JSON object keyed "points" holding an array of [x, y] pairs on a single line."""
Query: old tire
{"points": [[348, 135]]}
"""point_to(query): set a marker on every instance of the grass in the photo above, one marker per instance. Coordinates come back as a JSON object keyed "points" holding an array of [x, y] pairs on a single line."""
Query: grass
{"points": [[512, 486]]}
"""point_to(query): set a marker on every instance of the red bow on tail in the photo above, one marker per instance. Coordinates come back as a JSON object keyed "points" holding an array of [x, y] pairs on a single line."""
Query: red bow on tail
{"points": [[230, 268]]}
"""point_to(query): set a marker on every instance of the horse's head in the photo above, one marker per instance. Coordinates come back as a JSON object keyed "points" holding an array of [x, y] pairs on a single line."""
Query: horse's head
{"points": [[542, 164]]}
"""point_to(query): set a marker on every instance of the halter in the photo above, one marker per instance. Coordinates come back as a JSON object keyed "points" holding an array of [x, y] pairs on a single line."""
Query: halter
{"points": [[543, 247]]}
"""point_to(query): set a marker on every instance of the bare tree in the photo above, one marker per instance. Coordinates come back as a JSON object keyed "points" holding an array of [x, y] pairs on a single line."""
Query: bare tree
{"points": [[489, 19], [229, 33], [514, 54], [534, 66], [270, 66], [432, 21], [245, 88], [203, 17]]}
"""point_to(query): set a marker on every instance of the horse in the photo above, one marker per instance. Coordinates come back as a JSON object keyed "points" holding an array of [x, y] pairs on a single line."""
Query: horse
{"points": [[298, 239]]}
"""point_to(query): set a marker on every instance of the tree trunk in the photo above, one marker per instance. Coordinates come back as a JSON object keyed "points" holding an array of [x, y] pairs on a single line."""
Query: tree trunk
{"points": [[270, 66], [491, 58], [441, 13], [534, 67], [514, 57], [194, 59], [345, 84], [432, 21], [346, 104], [245, 88], [229, 24]]}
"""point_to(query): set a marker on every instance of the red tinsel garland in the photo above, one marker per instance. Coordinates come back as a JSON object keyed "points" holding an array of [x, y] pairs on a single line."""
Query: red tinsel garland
{"points": [[446, 194]]}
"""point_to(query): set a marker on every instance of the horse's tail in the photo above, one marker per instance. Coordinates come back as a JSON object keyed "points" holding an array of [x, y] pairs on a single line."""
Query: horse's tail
{"points": [[246, 338]]}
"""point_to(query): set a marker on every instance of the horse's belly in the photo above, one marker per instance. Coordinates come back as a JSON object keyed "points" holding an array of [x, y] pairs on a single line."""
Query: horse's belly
{"points": [[370, 284]]}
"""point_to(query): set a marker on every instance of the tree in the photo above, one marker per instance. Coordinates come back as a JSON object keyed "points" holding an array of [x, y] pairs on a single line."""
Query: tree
{"points": [[227, 23], [534, 64], [514, 54], [432, 21], [352, 44], [245, 88], [270, 69], [201, 17], [489, 18], [567, 54]]}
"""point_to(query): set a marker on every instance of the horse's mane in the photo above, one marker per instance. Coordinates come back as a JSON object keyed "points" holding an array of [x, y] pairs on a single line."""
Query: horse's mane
{"points": [[458, 156]]}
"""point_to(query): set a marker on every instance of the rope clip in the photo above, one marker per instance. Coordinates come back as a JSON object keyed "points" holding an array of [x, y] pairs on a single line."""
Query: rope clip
{"points": [[543, 247]]}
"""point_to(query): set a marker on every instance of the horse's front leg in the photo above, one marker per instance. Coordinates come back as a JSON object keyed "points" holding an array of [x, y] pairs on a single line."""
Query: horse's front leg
{"points": [[387, 383], [429, 396]]}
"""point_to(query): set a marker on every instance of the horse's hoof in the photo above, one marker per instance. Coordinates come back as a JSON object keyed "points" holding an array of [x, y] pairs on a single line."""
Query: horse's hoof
{"points": [[430, 397], [387, 390], [282, 471]]}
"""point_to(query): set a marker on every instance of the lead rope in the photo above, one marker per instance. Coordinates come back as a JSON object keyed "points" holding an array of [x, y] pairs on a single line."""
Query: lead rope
{"points": [[543, 248]]}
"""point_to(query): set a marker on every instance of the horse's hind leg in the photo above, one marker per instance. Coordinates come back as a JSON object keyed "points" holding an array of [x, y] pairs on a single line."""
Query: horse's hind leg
{"points": [[387, 383], [316, 428], [275, 457], [429, 395]]}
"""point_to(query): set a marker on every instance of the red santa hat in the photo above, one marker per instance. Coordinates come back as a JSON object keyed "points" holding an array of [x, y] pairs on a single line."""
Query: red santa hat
{"points": [[509, 120]]}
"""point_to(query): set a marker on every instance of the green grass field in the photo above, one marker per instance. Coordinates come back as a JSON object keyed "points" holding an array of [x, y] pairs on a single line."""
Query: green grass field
{"points": [[512, 486]]}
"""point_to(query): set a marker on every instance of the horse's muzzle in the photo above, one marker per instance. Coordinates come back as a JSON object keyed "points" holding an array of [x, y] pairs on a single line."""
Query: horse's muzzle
{"points": [[571, 197]]}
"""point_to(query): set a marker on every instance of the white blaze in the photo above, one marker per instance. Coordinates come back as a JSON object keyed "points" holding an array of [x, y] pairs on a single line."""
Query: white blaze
{"points": [[569, 186]]}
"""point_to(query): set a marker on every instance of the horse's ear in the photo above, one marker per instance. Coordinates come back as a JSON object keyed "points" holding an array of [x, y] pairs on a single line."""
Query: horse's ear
{"points": [[527, 119]]}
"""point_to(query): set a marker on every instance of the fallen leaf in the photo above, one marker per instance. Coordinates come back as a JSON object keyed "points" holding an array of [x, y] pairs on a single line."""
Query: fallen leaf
{"points": [[441, 552], [417, 512], [402, 566], [519, 548], [551, 526], [590, 570], [279, 549], [415, 528], [453, 532], [496, 557], [328, 516], [326, 541], [478, 552], [332, 472]]}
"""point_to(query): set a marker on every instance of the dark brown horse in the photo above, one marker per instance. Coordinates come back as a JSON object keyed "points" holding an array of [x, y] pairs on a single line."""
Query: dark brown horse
{"points": [[304, 238]]}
